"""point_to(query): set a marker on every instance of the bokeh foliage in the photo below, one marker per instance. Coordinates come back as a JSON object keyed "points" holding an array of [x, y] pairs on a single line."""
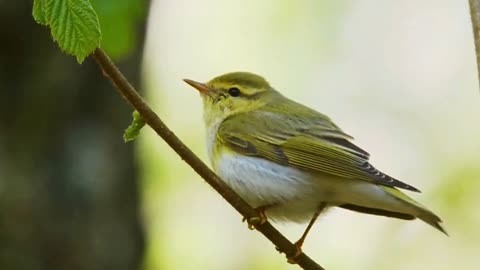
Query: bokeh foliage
{"points": [[122, 24], [68, 184]]}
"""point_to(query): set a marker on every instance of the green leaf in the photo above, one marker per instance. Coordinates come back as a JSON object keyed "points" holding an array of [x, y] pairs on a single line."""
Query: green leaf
{"points": [[73, 23], [132, 131], [39, 12]]}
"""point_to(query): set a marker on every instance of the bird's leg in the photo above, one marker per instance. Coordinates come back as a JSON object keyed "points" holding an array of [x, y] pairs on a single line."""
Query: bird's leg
{"points": [[258, 220], [300, 241]]}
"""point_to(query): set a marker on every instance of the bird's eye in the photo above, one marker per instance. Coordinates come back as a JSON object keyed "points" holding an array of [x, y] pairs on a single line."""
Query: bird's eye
{"points": [[234, 92]]}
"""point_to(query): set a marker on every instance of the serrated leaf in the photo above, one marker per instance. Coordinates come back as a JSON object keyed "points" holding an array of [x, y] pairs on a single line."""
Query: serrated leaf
{"points": [[73, 23], [133, 130], [39, 12]]}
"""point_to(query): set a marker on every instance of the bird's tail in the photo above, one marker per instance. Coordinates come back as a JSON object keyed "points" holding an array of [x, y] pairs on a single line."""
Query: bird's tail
{"points": [[418, 210]]}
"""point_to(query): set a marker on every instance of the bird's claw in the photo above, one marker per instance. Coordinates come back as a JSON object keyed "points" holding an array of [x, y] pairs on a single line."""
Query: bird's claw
{"points": [[293, 259], [254, 221]]}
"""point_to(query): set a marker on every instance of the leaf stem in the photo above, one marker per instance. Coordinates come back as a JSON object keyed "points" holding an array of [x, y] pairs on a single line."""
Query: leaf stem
{"points": [[127, 91]]}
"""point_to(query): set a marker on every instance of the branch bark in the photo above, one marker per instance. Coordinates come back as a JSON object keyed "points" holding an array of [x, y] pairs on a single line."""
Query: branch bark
{"points": [[475, 17], [127, 91]]}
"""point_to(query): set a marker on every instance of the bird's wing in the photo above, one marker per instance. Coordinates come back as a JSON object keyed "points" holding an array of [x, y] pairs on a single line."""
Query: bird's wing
{"points": [[317, 145]]}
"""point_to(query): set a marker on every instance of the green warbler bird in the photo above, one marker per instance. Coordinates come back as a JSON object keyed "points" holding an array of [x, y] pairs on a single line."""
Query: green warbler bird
{"points": [[290, 161]]}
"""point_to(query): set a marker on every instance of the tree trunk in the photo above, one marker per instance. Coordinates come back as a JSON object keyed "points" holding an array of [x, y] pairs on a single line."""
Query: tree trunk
{"points": [[68, 184]]}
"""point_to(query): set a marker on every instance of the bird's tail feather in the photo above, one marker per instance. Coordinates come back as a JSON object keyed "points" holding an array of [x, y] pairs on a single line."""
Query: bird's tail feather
{"points": [[419, 210], [432, 219]]}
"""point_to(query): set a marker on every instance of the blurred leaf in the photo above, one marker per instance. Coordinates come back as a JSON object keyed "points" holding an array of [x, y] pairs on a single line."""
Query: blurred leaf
{"points": [[120, 19], [73, 23], [459, 189], [132, 131]]}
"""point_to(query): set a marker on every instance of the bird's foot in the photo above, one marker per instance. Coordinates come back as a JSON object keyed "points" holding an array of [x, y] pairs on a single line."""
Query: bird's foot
{"points": [[294, 258], [262, 217]]}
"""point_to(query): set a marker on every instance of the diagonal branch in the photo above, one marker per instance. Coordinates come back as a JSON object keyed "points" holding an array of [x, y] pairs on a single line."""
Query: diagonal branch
{"points": [[475, 17], [131, 96]]}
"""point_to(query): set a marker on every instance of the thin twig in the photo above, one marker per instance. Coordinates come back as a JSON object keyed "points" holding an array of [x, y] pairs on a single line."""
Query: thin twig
{"points": [[475, 17], [131, 96]]}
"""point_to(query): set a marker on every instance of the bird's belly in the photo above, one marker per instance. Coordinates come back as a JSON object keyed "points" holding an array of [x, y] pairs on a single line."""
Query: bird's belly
{"points": [[294, 194]]}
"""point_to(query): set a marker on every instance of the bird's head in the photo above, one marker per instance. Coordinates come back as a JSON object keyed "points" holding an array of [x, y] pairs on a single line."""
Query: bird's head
{"points": [[232, 93]]}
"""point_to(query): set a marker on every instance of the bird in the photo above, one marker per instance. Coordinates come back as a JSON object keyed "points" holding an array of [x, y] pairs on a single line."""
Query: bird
{"points": [[289, 161]]}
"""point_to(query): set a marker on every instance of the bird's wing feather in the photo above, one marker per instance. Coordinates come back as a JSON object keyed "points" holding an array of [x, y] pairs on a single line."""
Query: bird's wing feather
{"points": [[316, 146]]}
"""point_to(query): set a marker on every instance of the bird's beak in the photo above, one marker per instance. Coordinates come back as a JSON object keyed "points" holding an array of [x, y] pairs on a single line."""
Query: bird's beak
{"points": [[201, 87]]}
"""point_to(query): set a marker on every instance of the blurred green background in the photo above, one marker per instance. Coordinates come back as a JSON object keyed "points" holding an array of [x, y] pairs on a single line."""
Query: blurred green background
{"points": [[400, 76]]}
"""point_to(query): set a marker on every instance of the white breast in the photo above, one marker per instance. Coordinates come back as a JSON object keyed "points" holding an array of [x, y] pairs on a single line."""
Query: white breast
{"points": [[261, 182]]}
